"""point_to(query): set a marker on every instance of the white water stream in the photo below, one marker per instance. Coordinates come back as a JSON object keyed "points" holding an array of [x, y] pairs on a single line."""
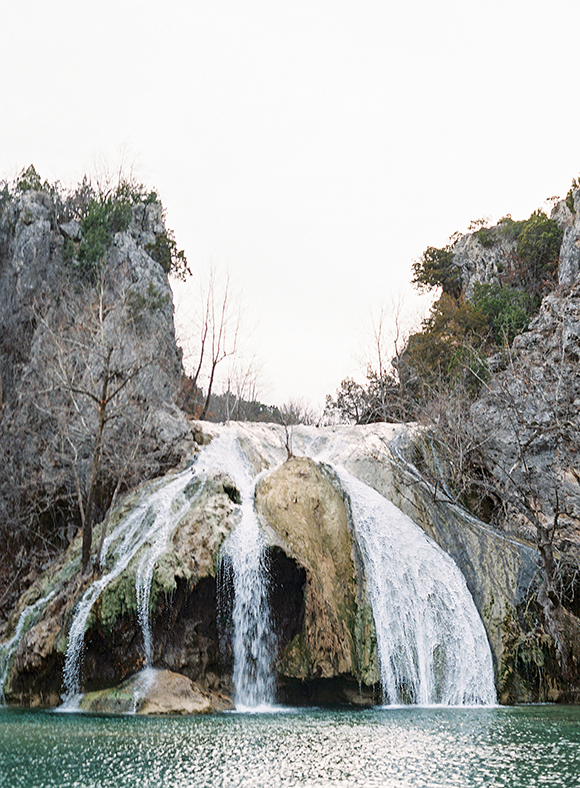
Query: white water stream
{"points": [[431, 642], [27, 618], [147, 527], [245, 549]]}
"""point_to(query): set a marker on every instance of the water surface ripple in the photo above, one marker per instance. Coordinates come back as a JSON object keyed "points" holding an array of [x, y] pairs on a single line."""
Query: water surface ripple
{"points": [[315, 748]]}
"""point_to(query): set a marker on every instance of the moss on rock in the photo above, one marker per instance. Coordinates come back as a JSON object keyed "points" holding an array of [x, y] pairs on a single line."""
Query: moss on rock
{"points": [[305, 515]]}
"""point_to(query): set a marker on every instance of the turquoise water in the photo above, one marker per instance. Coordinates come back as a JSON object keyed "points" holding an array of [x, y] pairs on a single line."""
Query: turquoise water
{"points": [[522, 746]]}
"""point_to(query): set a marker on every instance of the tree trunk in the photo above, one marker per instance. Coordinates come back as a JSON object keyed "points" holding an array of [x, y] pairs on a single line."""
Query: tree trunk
{"points": [[96, 467]]}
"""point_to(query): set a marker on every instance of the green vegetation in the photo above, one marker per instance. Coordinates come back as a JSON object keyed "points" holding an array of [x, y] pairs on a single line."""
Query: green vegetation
{"points": [[539, 243], [138, 304], [165, 252], [459, 335], [101, 213], [486, 237], [509, 229], [449, 348], [106, 214], [436, 269], [505, 309], [28, 180], [570, 196], [102, 218], [452, 349]]}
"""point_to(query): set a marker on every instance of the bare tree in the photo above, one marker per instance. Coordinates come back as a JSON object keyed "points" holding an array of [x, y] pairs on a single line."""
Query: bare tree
{"points": [[242, 387], [211, 337], [510, 455], [88, 385], [384, 397], [297, 411], [224, 332]]}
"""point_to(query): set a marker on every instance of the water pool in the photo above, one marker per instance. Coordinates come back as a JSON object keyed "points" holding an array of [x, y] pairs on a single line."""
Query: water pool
{"points": [[407, 746]]}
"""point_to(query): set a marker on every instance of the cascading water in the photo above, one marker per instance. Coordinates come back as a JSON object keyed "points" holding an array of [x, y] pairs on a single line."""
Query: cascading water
{"points": [[25, 620], [431, 642], [147, 527], [245, 550]]}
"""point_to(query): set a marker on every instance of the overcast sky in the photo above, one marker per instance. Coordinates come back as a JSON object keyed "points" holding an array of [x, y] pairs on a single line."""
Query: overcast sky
{"points": [[314, 148]]}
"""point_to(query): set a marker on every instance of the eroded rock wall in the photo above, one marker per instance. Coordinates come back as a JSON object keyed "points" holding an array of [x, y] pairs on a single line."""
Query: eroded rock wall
{"points": [[182, 608]]}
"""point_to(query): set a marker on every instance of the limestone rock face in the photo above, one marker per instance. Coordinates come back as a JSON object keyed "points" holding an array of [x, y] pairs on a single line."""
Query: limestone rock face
{"points": [[154, 692], [480, 264], [305, 515], [534, 402], [484, 263], [525, 422], [569, 264], [58, 333]]}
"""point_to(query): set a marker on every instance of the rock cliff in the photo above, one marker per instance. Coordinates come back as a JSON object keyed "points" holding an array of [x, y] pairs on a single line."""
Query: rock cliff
{"points": [[515, 438], [525, 418], [86, 318]]}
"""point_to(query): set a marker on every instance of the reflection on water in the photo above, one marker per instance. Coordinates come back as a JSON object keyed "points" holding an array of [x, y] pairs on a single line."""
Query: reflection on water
{"points": [[511, 747]]}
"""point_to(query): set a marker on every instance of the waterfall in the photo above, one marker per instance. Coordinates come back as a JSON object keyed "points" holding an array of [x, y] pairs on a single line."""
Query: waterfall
{"points": [[253, 641], [431, 641], [245, 551], [146, 528], [26, 619], [431, 644]]}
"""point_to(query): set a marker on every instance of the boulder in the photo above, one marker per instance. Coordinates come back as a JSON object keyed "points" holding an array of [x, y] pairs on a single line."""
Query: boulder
{"points": [[305, 516], [155, 692]]}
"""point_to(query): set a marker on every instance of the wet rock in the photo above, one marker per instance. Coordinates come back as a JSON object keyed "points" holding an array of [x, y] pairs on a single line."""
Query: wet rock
{"points": [[183, 608], [306, 517], [153, 692]]}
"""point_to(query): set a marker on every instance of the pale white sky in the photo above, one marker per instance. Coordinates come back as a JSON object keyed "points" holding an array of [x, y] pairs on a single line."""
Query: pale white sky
{"points": [[313, 147]]}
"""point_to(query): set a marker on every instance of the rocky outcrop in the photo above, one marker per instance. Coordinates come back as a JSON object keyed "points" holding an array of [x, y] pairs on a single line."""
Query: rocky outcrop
{"points": [[305, 516], [525, 419], [32, 273], [64, 332], [521, 435], [569, 222], [155, 692], [480, 263]]}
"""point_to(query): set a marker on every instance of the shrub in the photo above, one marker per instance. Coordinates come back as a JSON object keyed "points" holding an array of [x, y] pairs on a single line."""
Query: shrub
{"points": [[539, 243], [449, 344], [164, 251], [506, 310], [102, 218], [486, 237], [436, 269], [28, 180], [510, 229], [152, 301]]}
